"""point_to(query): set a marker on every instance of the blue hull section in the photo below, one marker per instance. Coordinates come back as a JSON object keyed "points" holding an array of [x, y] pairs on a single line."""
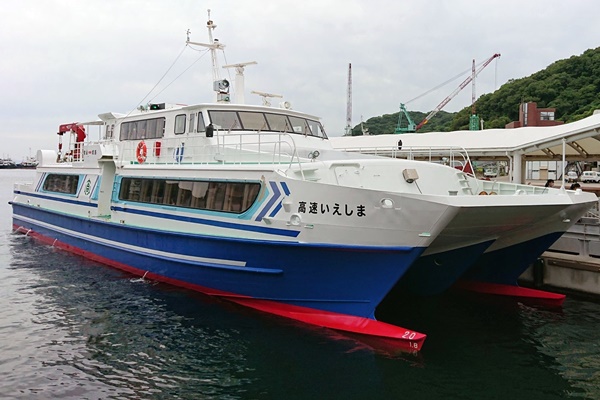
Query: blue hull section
{"points": [[504, 266], [342, 279], [433, 274]]}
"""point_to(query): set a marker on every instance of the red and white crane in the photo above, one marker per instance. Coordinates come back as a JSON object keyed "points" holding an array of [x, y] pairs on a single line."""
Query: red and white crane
{"points": [[458, 89]]}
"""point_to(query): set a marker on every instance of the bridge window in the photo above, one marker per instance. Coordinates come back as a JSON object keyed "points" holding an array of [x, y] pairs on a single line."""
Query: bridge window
{"points": [[180, 124], [201, 125], [253, 121], [192, 122], [278, 122], [257, 121], [225, 120], [299, 125]]}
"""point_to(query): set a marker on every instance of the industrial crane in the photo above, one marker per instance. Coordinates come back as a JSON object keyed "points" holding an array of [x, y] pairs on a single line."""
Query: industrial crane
{"points": [[458, 89], [450, 97]]}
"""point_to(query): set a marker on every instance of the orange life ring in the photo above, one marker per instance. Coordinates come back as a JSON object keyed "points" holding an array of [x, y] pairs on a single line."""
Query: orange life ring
{"points": [[141, 151]]}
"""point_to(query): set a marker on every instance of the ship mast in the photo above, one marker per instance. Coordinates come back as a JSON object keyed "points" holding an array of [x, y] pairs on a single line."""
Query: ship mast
{"points": [[220, 86]]}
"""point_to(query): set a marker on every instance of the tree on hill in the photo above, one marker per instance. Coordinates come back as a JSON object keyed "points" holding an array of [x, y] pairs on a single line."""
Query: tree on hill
{"points": [[572, 86]]}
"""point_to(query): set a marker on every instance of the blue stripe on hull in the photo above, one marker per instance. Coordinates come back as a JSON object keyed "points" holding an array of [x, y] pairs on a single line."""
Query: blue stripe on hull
{"points": [[207, 221], [433, 274], [343, 279], [504, 266]]}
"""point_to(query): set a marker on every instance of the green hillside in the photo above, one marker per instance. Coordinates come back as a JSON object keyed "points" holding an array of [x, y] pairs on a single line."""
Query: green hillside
{"points": [[572, 86], [387, 123]]}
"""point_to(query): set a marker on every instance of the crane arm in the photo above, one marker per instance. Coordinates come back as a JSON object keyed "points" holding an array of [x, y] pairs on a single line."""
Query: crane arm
{"points": [[455, 92]]}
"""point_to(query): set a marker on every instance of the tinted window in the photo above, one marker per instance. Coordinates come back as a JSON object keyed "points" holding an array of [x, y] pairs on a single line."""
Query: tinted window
{"points": [[143, 129], [234, 197], [61, 183]]}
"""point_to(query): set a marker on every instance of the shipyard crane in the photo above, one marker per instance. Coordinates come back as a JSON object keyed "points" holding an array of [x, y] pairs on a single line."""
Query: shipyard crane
{"points": [[348, 129], [458, 89]]}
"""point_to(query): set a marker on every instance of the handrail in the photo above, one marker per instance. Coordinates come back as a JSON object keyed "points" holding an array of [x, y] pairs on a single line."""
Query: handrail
{"points": [[444, 154], [230, 148]]}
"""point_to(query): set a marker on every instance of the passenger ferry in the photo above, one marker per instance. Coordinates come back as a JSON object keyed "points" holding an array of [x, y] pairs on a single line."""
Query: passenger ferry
{"points": [[252, 204], [248, 203]]}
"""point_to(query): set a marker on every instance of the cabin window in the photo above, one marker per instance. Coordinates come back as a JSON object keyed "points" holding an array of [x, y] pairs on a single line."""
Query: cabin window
{"points": [[201, 126], [253, 121], [59, 183], [316, 129], [257, 121], [192, 122], [143, 129], [130, 189], [233, 197], [278, 123], [299, 125], [109, 131], [180, 124], [225, 120]]}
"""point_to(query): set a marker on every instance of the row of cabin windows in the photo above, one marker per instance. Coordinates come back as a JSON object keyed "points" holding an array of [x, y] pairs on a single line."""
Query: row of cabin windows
{"points": [[258, 121], [234, 197], [153, 128], [223, 120], [66, 184]]}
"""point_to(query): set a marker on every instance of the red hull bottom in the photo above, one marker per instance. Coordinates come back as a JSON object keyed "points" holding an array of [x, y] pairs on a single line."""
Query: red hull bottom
{"points": [[534, 295], [403, 339]]}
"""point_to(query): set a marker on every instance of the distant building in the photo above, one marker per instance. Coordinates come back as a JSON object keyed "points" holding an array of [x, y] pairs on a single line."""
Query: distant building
{"points": [[531, 115]]}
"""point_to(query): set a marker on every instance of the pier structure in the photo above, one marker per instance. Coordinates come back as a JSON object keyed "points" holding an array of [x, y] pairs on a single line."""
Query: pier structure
{"points": [[566, 143]]}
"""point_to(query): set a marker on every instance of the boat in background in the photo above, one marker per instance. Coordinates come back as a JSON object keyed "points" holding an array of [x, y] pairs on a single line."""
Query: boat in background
{"points": [[7, 163], [29, 162]]}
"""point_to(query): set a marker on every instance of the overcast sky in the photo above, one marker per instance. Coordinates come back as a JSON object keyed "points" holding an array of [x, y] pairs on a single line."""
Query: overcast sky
{"points": [[67, 61]]}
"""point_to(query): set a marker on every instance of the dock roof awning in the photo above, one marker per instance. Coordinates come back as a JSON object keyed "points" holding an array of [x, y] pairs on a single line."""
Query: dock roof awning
{"points": [[532, 143]]}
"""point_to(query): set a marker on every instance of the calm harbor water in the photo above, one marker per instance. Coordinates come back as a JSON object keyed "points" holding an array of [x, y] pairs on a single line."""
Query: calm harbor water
{"points": [[75, 329]]}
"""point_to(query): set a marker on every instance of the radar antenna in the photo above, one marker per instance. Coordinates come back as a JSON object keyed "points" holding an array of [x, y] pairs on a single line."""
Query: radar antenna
{"points": [[266, 97], [239, 80]]}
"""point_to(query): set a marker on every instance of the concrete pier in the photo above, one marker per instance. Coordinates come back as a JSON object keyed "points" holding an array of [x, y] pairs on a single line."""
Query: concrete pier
{"points": [[572, 263], [565, 271]]}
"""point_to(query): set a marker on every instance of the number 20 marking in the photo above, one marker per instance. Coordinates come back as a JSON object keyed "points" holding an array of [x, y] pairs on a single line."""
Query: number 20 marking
{"points": [[409, 335]]}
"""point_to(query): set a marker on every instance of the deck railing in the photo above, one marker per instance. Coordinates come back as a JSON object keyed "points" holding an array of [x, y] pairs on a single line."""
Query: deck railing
{"points": [[457, 157], [230, 148]]}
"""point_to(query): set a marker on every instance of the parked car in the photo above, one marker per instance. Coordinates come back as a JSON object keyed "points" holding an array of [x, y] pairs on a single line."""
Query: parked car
{"points": [[490, 172], [590, 176], [571, 176]]}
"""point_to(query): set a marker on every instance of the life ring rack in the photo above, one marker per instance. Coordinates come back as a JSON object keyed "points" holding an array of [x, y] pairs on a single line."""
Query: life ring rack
{"points": [[141, 152]]}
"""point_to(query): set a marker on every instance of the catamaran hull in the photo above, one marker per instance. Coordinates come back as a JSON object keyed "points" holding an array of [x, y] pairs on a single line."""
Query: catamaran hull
{"points": [[287, 272], [490, 243], [505, 266], [286, 279], [433, 274]]}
